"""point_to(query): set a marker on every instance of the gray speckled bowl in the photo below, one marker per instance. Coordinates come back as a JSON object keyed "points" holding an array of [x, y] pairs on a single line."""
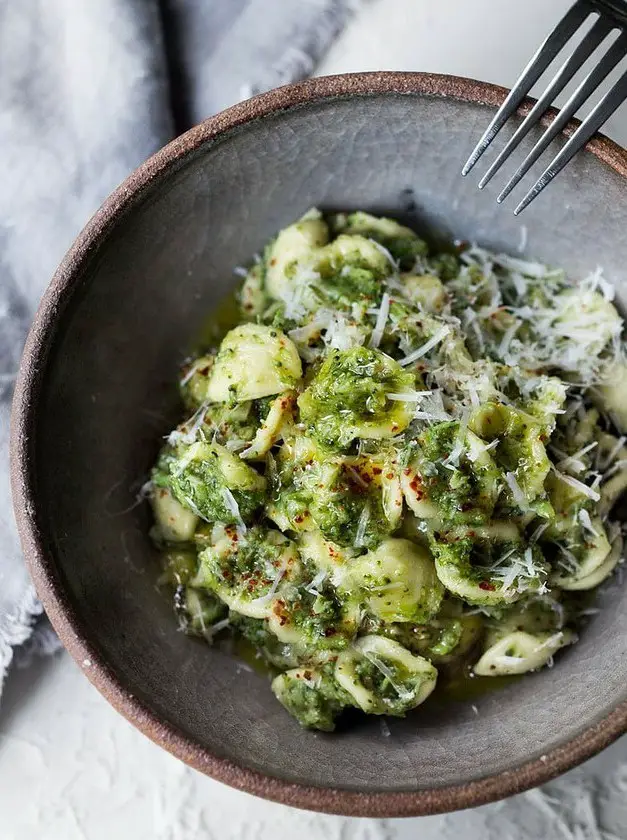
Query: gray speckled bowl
{"points": [[95, 393]]}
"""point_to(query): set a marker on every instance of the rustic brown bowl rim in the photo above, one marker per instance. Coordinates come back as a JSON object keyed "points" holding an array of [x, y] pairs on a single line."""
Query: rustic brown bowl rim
{"points": [[41, 564]]}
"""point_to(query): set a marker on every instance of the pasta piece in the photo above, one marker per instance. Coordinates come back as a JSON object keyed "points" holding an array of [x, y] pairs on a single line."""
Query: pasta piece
{"points": [[426, 291], [592, 557], [348, 398], [313, 618], [344, 497], [202, 614], [520, 452], [254, 361], [195, 381], [611, 394], [466, 491], [175, 522], [382, 677], [396, 581], [403, 244], [486, 573], [351, 269], [293, 247], [246, 572], [314, 698], [581, 582], [520, 652], [270, 430], [211, 482], [327, 557]]}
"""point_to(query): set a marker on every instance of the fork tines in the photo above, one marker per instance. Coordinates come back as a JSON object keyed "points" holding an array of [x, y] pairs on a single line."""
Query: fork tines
{"points": [[612, 14]]}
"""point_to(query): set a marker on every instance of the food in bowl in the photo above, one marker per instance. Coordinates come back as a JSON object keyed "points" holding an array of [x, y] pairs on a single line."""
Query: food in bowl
{"points": [[400, 462]]}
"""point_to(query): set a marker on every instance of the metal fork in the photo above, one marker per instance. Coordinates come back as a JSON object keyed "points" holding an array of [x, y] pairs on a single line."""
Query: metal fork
{"points": [[612, 14]]}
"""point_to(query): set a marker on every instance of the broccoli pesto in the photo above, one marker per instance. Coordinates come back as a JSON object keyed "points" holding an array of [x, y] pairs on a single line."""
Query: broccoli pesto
{"points": [[398, 466]]}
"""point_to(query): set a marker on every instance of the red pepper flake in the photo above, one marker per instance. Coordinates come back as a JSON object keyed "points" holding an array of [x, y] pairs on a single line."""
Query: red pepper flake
{"points": [[416, 487], [489, 587]]}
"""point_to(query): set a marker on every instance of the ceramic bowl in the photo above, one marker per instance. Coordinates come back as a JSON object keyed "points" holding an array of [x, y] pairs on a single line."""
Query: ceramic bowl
{"points": [[95, 393]]}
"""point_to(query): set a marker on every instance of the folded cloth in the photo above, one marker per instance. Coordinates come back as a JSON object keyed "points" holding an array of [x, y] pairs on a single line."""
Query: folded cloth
{"points": [[88, 91]]}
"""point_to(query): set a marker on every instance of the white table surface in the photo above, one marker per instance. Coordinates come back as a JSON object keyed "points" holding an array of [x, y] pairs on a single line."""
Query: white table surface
{"points": [[72, 769]]}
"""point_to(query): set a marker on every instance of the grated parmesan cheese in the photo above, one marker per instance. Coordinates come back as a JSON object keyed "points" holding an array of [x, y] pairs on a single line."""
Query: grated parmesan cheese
{"points": [[213, 629], [517, 493], [586, 522], [316, 582], [533, 539], [619, 465], [429, 345], [460, 440], [382, 316], [263, 599], [409, 396], [190, 431], [386, 253], [509, 333], [230, 503], [432, 409], [578, 485], [388, 674], [362, 525], [341, 334], [574, 461], [613, 452]]}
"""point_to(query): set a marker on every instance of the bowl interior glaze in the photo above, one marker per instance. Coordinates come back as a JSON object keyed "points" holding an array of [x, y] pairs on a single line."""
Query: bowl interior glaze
{"points": [[97, 394]]}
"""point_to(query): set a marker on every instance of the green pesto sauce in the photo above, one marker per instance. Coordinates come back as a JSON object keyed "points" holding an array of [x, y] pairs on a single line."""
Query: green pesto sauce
{"points": [[454, 685], [458, 420]]}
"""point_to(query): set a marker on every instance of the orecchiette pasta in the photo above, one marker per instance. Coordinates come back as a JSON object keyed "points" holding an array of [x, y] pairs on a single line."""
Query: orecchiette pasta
{"points": [[175, 522], [519, 652], [400, 463], [254, 361], [397, 582], [293, 246], [382, 677]]}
